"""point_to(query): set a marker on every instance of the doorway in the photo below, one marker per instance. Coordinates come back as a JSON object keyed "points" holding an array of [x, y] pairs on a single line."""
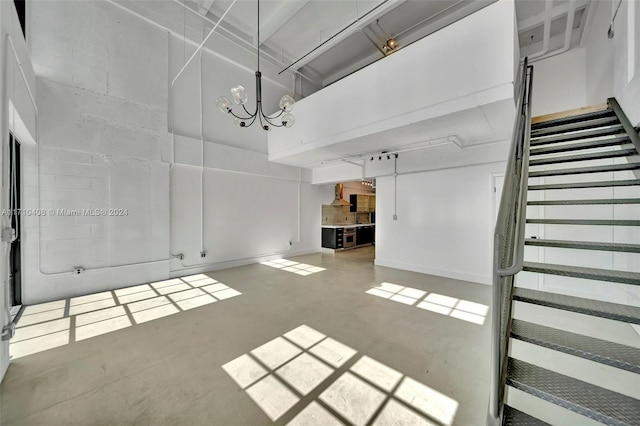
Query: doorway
{"points": [[15, 204]]}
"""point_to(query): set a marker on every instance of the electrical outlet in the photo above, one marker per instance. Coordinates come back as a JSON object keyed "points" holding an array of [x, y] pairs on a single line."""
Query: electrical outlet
{"points": [[203, 254], [77, 270]]}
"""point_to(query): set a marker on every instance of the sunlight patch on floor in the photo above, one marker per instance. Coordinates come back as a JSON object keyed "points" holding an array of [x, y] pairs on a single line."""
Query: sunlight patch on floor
{"points": [[291, 266], [47, 326], [439, 303], [279, 373]]}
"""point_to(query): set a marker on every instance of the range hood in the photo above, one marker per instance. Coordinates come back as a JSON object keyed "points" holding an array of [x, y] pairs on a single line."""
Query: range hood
{"points": [[338, 201]]}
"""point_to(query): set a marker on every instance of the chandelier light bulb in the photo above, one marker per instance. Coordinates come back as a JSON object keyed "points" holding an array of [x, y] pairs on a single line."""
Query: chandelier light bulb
{"points": [[266, 127], [223, 104], [239, 95], [287, 103], [240, 122], [288, 120]]}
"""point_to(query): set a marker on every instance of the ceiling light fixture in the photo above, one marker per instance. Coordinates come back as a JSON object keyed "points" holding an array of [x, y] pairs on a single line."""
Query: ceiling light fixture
{"points": [[239, 96], [390, 45]]}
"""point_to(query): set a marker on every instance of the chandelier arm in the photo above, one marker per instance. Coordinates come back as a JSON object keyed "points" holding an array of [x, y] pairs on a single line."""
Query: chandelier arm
{"points": [[252, 121], [237, 116], [272, 117], [250, 114], [268, 120]]}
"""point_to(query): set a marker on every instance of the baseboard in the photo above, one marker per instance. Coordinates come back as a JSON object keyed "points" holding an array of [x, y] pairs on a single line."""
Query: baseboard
{"points": [[197, 269], [434, 271]]}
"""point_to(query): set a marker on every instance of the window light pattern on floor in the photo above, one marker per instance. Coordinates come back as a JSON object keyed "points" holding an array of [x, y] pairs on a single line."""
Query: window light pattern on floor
{"points": [[434, 302], [49, 325], [291, 266], [278, 374]]}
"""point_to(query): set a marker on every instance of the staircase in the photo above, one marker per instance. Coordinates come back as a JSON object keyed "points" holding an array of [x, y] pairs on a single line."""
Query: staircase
{"points": [[571, 159]]}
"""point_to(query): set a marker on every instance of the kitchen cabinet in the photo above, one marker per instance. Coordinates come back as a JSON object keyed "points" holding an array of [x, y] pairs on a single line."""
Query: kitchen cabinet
{"points": [[333, 238], [365, 235], [336, 238], [360, 203]]}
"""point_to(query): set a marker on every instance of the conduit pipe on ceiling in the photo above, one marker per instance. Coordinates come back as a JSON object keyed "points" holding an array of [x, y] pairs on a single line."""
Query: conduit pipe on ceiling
{"points": [[548, 15], [567, 34]]}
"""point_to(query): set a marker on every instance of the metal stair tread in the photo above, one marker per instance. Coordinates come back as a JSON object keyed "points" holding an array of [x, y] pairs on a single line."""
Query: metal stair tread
{"points": [[575, 126], [584, 245], [598, 143], [610, 275], [606, 222], [573, 118], [574, 185], [596, 308], [583, 170], [584, 202], [513, 417], [586, 134], [601, 351], [589, 400], [584, 157]]}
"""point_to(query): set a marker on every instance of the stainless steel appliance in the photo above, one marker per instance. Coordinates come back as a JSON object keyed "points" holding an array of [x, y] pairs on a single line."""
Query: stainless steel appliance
{"points": [[349, 237]]}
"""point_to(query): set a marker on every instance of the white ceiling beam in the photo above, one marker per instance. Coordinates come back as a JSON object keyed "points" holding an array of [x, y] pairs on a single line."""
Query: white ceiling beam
{"points": [[278, 18], [205, 6], [539, 19]]}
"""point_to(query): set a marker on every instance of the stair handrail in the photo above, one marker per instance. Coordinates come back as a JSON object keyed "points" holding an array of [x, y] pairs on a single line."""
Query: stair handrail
{"points": [[626, 124], [508, 241]]}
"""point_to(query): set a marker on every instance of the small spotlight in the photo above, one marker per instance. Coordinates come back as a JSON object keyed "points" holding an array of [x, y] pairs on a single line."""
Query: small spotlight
{"points": [[379, 157], [391, 44], [388, 157]]}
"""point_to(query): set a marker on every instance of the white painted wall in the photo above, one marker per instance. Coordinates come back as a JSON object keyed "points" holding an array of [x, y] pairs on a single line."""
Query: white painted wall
{"points": [[626, 59], [560, 83], [466, 64], [251, 208], [599, 55], [445, 221], [600, 69], [103, 144], [104, 103], [17, 114]]}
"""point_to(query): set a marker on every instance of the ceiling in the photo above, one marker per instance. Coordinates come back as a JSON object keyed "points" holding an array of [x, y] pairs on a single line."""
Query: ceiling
{"points": [[325, 40], [322, 41]]}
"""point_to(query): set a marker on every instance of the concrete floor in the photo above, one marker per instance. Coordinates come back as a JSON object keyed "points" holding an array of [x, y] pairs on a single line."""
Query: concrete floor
{"points": [[385, 359]]}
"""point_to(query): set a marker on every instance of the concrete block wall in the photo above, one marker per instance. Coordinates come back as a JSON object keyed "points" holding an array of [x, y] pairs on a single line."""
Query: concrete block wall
{"points": [[103, 79]]}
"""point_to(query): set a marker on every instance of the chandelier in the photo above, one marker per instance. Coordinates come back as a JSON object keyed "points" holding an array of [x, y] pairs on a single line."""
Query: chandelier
{"points": [[240, 97]]}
